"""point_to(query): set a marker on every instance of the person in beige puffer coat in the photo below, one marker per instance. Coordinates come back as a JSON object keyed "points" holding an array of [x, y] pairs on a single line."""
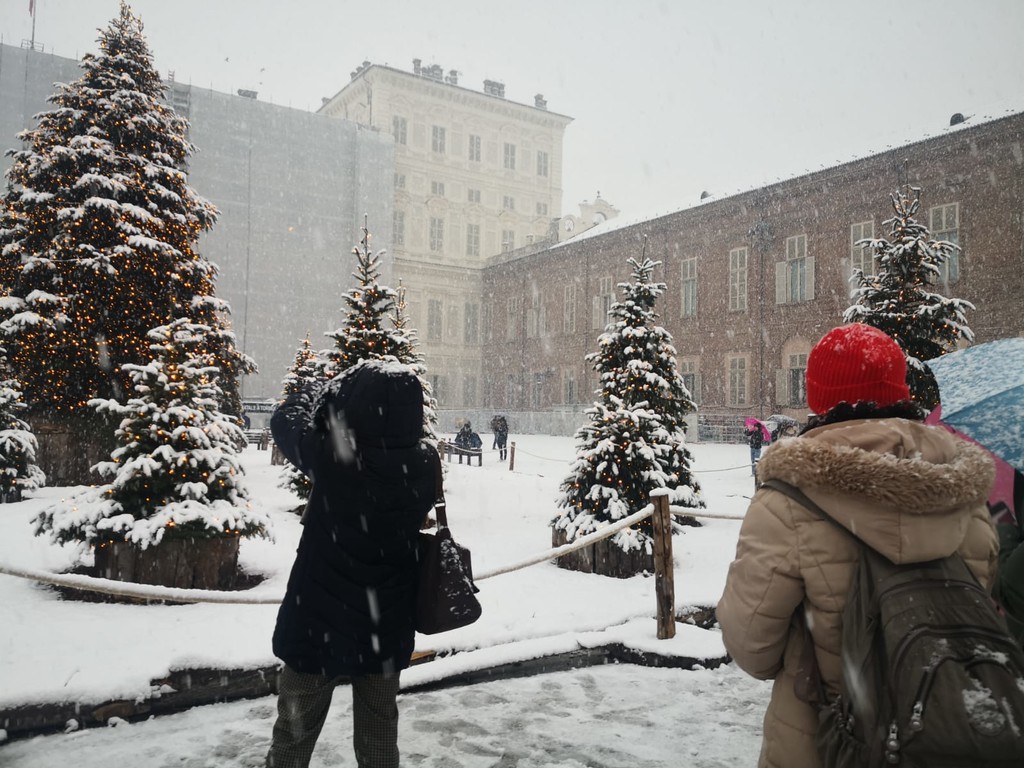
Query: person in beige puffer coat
{"points": [[910, 491]]}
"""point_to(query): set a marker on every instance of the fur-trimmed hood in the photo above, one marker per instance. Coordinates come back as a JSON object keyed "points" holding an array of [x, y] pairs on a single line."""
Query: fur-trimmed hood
{"points": [[904, 488]]}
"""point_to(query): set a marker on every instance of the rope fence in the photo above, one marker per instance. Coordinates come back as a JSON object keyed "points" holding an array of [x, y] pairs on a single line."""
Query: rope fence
{"points": [[178, 595]]}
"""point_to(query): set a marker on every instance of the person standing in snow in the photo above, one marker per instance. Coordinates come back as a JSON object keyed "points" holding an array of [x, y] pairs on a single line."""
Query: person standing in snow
{"points": [[910, 491], [499, 426], [349, 609], [755, 439]]}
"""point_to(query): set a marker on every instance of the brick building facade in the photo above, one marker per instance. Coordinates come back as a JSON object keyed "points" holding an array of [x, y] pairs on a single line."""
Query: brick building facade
{"points": [[756, 278]]}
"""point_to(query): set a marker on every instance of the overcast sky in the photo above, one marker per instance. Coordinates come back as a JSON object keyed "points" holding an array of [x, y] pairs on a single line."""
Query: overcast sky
{"points": [[669, 97]]}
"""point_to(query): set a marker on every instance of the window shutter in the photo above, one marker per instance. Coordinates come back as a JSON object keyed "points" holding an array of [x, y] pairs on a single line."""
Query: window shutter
{"points": [[596, 322], [782, 386], [810, 278], [781, 283]]}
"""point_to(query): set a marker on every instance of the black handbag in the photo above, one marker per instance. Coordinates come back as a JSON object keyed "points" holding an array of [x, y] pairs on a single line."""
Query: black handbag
{"points": [[447, 595]]}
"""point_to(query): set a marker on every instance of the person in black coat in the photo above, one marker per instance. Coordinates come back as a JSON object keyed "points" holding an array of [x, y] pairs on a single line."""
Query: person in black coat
{"points": [[349, 610]]}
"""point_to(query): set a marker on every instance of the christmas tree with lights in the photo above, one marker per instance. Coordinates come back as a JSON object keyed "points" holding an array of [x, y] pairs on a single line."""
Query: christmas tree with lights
{"points": [[176, 473], [307, 370], [98, 238], [898, 299], [18, 469], [635, 438]]}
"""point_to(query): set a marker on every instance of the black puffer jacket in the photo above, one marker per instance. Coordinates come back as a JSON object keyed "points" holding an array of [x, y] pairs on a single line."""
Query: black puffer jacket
{"points": [[351, 598]]}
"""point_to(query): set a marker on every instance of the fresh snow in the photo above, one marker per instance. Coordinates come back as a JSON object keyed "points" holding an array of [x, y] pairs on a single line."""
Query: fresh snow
{"points": [[53, 650]]}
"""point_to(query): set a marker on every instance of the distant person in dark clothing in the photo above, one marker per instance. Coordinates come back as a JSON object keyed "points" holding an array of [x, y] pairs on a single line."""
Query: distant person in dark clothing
{"points": [[468, 442], [755, 439], [349, 610], [499, 426]]}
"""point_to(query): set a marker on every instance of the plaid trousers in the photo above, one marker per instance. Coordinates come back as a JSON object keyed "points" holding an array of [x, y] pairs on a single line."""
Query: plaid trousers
{"points": [[302, 704]]}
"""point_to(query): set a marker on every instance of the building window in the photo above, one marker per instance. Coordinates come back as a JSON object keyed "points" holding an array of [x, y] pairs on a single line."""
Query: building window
{"points": [[542, 209], [472, 239], [435, 320], [437, 142], [737, 381], [569, 309], [602, 303], [486, 321], [508, 240], [473, 195], [794, 277], [797, 379], [570, 387], [738, 280], [860, 252], [398, 227], [510, 156], [469, 391], [471, 327], [437, 384], [537, 391], [508, 203], [944, 224], [399, 181], [688, 373], [399, 129], [688, 307], [542, 163], [474, 148], [436, 234], [437, 188], [514, 309]]}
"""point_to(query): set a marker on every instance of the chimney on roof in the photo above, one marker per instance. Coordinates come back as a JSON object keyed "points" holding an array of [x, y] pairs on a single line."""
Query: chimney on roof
{"points": [[416, 66], [540, 102], [494, 88], [453, 77], [956, 118]]}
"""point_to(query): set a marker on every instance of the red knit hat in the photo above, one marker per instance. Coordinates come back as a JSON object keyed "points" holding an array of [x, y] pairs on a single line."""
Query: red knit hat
{"points": [[855, 363]]}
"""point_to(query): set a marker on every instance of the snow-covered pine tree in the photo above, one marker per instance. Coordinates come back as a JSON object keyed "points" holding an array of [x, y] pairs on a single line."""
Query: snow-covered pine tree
{"points": [[407, 352], [176, 472], [898, 299], [368, 305], [307, 369], [635, 438], [98, 236], [18, 469]]}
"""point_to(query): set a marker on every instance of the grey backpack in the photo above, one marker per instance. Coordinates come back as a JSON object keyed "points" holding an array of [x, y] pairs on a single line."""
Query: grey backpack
{"points": [[930, 674]]}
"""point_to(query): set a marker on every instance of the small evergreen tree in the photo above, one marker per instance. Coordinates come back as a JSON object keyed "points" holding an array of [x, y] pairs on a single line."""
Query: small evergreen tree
{"points": [[899, 299], [307, 369], [368, 305], [176, 472], [98, 236], [18, 470], [635, 438]]}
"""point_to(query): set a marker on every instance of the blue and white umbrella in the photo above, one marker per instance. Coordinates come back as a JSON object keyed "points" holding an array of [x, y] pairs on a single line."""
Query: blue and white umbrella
{"points": [[981, 389]]}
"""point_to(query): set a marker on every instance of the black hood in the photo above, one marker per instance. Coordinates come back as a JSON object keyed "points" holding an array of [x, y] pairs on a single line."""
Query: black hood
{"points": [[381, 404]]}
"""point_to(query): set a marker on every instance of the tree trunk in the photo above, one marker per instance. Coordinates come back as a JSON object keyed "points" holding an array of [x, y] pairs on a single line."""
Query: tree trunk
{"points": [[186, 563], [603, 558], [68, 449]]}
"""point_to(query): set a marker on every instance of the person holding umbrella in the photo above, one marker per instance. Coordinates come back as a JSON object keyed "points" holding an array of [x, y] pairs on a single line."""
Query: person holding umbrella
{"points": [[756, 433]]}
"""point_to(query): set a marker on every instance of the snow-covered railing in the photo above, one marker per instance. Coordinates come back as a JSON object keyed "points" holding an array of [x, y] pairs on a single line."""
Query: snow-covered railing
{"points": [[178, 595]]}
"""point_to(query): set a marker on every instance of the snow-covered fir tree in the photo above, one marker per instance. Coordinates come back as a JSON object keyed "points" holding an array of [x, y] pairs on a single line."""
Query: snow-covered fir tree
{"points": [[407, 352], [899, 298], [635, 438], [98, 235], [176, 471], [365, 334], [308, 369], [18, 469]]}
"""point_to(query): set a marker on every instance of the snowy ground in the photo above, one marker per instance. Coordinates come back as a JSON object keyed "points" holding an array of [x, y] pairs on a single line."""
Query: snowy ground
{"points": [[616, 715]]}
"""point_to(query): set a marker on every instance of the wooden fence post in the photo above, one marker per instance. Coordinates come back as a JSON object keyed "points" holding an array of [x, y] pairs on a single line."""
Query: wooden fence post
{"points": [[512, 457], [664, 578]]}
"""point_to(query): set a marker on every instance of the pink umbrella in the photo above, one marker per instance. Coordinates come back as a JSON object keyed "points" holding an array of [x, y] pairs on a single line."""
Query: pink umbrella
{"points": [[751, 421]]}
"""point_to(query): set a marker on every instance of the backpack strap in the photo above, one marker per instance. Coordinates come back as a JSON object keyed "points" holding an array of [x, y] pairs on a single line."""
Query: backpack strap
{"points": [[802, 499], [440, 507]]}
